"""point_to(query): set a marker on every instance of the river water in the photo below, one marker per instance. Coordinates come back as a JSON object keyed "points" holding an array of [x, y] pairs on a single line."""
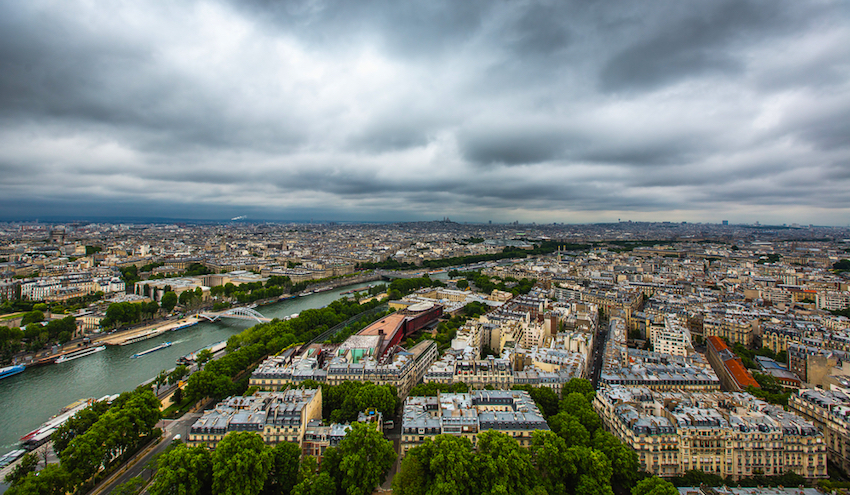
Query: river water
{"points": [[30, 398]]}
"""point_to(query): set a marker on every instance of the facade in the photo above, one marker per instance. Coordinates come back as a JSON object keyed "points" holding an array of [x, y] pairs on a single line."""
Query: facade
{"points": [[512, 412], [732, 328], [728, 366], [728, 434], [318, 437], [638, 368], [336, 365], [830, 412], [276, 416], [673, 338]]}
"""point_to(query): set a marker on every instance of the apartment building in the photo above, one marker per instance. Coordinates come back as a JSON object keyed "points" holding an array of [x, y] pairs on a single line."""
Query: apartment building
{"points": [[276, 416], [511, 412], [830, 412], [732, 328], [728, 434], [337, 364], [729, 367], [672, 338]]}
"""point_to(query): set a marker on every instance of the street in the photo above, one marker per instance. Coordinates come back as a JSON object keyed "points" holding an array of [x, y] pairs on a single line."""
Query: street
{"points": [[138, 466]]}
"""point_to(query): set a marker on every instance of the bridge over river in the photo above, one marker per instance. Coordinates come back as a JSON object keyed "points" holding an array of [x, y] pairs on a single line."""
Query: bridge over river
{"points": [[240, 313]]}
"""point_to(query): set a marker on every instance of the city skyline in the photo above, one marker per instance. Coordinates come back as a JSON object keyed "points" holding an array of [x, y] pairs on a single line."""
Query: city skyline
{"points": [[533, 112]]}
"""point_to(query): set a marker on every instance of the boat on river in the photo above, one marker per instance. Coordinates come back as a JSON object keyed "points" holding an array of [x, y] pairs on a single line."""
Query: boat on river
{"points": [[88, 351], [154, 349], [11, 371]]}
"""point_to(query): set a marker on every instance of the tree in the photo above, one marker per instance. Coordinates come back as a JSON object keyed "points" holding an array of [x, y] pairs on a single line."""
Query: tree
{"points": [[25, 466], [133, 486], [624, 460], [577, 405], [311, 483], [654, 486], [365, 459], [503, 466], [548, 452], [186, 297], [32, 317], [205, 383], [52, 480], [161, 379], [412, 477], [241, 464], [444, 465], [379, 397], [183, 470], [203, 356], [177, 374], [284, 468], [589, 485], [581, 386], [168, 301], [570, 429], [462, 284]]}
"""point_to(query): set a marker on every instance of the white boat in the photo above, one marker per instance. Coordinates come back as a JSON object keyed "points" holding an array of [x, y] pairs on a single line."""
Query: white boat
{"points": [[79, 353], [154, 349]]}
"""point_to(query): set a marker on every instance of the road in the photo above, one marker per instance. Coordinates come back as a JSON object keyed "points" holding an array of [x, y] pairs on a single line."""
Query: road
{"points": [[598, 353], [395, 436], [138, 466]]}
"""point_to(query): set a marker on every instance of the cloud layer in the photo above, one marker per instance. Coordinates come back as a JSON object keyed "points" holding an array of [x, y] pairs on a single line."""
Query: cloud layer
{"points": [[537, 111]]}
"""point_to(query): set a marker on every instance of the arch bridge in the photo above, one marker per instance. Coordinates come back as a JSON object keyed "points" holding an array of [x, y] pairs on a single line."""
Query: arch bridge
{"points": [[240, 313]]}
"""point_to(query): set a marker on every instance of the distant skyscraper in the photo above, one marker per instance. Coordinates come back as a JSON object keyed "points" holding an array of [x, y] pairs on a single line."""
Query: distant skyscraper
{"points": [[725, 222]]}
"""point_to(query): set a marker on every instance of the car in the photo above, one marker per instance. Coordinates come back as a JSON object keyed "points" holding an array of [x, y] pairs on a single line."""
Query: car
{"points": [[389, 424]]}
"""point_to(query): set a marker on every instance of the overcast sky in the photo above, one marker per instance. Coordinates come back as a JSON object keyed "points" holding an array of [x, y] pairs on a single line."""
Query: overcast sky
{"points": [[555, 111]]}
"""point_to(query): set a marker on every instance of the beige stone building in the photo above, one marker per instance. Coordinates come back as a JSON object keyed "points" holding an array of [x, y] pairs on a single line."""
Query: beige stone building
{"points": [[732, 328], [830, 412], [511, 412], [276, 416], [728, 434]]}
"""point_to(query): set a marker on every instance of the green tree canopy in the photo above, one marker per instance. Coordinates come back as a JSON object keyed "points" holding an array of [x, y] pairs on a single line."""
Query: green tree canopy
{"points": [[654, 486], [444, 465], [241, 464], [52, 480], [183, 470], [168, 301], [365, 459], [284, 471], [503, 466], [25, 466]]}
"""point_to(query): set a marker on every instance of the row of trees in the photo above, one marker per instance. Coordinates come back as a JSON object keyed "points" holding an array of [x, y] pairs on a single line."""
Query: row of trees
{"points": [[215, 381], [243, 464], [577, 456], [486, 284], [696, 477], [546, 247], [401, 287], [95, 439], [275, 286], [358, 325], [124, 313], [342, 403], [37, 335]]}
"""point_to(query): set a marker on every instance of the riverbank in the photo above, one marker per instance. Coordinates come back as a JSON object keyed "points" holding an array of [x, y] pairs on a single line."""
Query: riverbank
{"points": [[113, 370], [145, 333]]}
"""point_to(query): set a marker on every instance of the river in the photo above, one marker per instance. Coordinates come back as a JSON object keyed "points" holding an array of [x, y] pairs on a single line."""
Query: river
{"points": [[30, 398]]}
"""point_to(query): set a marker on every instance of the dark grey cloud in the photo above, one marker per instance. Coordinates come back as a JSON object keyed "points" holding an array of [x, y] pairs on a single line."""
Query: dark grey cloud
{"points": [[512, 144], [535, 110]]}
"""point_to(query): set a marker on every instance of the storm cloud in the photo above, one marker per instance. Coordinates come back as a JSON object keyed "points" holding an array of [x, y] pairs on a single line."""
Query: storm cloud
{"points": [[480, 110]]}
